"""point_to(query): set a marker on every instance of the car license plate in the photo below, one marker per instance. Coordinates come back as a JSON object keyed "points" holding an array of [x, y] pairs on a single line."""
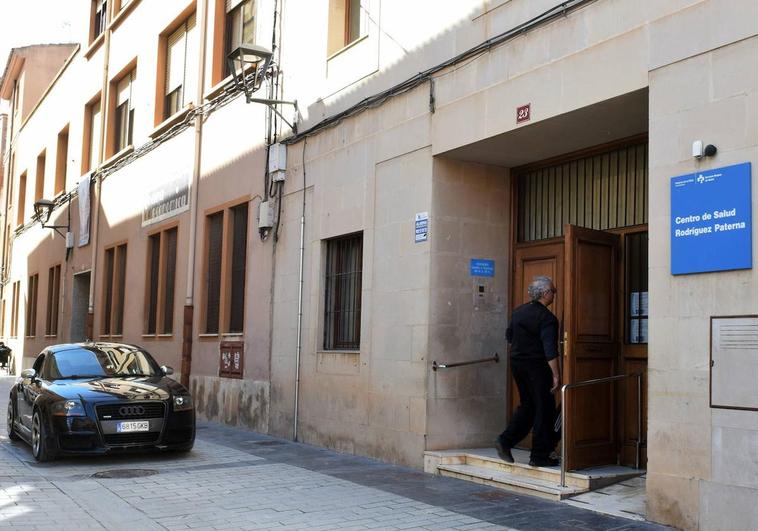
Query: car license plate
{"points": [[132, 426]]}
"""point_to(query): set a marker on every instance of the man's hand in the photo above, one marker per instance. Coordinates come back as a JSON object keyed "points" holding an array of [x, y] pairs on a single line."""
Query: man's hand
{"points": [[555, 368], [556, 383]]}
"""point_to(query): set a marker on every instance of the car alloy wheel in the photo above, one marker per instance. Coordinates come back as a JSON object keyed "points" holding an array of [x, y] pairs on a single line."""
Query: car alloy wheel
{"points": [[39, 439], [12, 435]]}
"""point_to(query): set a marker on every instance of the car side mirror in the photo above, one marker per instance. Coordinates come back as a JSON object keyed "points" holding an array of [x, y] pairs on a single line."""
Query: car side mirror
{"points": [[28, 374], [168, 371]]}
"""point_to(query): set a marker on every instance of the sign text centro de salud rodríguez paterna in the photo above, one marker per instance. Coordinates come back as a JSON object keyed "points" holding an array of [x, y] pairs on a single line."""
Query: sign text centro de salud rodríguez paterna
{"points": [[711, 220], [166, 201]]}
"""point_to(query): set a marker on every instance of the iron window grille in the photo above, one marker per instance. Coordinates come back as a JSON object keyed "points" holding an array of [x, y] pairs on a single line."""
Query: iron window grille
{"points": [[342, 304]]}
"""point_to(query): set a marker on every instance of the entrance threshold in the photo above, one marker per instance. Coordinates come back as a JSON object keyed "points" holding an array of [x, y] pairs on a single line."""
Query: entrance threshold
{"points": [[482, 465]]}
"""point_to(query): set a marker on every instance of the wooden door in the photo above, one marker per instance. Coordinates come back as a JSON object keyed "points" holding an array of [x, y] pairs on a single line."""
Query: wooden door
{"points": [[531, 260], [590, 291]]}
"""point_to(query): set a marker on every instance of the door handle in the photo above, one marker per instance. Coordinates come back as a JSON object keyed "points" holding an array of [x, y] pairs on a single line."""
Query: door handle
{"points": [[565, 344]]}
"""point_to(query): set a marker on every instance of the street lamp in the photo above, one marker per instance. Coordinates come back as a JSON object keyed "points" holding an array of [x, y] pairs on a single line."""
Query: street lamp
{"points": [[249, 57], [256, 59], [43, 209]]}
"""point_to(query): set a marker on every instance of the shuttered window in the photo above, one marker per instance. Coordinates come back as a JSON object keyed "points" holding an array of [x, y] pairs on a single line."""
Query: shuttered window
{"points": [[226, 270], [124, 119], [114, 285], [100, 8], [161, 279], [93, 146], [14, 308], [603, 191], [342, 303], [215, 227], [181, 67], [21, 199], [31, 306], [53, 296], [240, 26], [154, 244], [239, 256]]}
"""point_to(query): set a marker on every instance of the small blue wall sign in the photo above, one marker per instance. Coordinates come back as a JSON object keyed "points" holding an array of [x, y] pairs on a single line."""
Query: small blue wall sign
{"points": [[711, 220], [482, 268]]}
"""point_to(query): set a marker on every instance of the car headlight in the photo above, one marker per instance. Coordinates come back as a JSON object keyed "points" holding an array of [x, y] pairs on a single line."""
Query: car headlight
{"points": [[68, 408], [182, 402]]}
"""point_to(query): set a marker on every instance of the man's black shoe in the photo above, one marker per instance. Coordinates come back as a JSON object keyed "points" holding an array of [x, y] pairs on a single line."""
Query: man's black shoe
{"points": [[504, 452], [544, 461]]}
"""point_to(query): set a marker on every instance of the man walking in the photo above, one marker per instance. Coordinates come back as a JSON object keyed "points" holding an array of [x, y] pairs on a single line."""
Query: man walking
{"points": [[533, 335]]}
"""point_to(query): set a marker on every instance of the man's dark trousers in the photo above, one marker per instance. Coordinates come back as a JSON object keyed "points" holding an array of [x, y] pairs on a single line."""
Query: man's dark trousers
{"points": [[536, 410]]}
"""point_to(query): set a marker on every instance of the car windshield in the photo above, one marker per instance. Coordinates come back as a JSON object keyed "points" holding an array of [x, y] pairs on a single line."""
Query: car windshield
{"points": [[92, 362]]}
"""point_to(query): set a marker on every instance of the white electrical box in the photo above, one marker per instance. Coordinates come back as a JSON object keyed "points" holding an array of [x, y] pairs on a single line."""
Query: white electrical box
{"points": [[266, 215], [277, 158]]}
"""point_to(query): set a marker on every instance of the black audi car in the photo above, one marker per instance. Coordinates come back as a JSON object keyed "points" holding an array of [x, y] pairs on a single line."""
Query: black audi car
{"points": [[89, 398]]}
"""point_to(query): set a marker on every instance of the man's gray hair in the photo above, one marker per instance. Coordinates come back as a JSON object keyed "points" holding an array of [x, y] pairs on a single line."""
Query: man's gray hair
{"points": [[539, 286]]}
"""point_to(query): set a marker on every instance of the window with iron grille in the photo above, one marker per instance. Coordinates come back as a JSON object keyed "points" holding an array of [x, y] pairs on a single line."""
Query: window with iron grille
{"points": [[53, 296], [114, 284], [161, 278], [240, 26], [342, 303], [181, 68], [31, 306]]}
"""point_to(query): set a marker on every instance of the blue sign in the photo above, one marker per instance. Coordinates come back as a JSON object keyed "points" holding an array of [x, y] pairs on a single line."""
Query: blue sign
{"points": [[482, 268], [711, 222]]}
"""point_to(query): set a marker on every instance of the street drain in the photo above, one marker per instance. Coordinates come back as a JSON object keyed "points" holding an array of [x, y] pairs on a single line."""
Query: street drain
{"points": [[126, 473], [269, 443]]}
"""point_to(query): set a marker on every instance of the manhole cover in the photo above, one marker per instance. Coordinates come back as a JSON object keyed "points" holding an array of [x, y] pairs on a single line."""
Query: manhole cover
{"points": [[125, 473], [269, 443]]}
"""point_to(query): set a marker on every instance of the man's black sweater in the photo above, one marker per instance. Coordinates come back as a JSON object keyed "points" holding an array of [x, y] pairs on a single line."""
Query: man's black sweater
{"points": [[533, 333]]}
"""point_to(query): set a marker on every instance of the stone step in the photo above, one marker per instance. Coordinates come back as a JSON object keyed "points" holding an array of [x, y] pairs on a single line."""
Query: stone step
{"points": [[548, 489], [549, 474]]}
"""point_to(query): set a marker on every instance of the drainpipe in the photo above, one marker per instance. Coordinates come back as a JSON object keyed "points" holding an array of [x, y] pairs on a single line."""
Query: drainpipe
{"points": [[95, 204], [300, 302], [189, 308]]}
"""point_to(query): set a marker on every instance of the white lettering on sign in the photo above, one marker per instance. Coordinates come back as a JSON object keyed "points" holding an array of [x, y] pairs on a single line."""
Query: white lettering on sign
{"points": [[523, 113], [707, 229]]}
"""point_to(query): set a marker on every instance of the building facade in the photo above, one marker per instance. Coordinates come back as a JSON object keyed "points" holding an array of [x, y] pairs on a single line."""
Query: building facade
{"points": [[439, 159]]}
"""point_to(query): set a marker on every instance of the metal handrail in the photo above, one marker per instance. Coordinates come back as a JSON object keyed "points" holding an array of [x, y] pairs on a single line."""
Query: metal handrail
{"points": [[435, 365], [638, 441]]}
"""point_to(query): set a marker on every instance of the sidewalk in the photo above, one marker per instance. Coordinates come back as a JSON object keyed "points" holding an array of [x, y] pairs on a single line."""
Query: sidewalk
{"points": [[236, 479]]}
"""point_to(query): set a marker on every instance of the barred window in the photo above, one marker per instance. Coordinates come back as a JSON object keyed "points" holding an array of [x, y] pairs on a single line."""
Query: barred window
{"points": [[342, 304], [239, 258], [215, 227]]}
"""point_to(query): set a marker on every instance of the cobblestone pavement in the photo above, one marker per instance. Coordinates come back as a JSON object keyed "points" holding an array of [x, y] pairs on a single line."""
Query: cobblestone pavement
{"points": [[236, 479]]}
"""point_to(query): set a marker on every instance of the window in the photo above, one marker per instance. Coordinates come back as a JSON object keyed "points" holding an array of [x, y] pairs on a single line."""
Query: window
{"points": [[635, 246], [21, 199], [347, 23], [53, 298], [99, 18], [2, 317], [91, 142], [342, 303], [226, 246], [61, 161], [31, 306], [238, 27], [124, 113], [181, 67], [14, 308], [114, 282], [161, 281], [39, 186]]}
